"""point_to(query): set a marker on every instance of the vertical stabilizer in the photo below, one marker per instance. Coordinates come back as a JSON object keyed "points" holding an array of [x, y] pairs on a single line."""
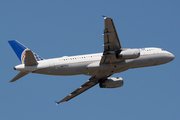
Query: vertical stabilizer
{"points": [[20, 51]]}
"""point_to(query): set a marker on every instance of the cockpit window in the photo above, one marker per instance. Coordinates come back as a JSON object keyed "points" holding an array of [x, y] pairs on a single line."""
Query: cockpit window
{"points": [[162, 49]]}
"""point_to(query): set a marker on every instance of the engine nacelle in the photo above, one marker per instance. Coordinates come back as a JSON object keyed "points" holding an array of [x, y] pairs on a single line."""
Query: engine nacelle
{"points": [[111, 82], [128, 54]]}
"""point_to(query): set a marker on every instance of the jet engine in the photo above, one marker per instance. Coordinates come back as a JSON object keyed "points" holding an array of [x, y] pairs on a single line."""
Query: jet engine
{"points": [[128, 54], [111, 82]]}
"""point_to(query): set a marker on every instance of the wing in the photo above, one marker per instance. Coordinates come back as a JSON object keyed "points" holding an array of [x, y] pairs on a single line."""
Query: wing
{"points": [[111, 42], [111, 47], [90, 83]]}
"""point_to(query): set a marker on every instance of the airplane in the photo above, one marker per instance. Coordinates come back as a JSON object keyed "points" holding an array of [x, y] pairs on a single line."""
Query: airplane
{"points": [[99, 66]]}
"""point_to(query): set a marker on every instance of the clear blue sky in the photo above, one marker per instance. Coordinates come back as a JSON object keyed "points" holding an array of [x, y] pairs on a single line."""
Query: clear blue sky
{"points": [[59, 28]]}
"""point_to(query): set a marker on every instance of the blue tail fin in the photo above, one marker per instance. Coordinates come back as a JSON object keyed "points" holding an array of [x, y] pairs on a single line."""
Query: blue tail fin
{"points": [[20, 49]]}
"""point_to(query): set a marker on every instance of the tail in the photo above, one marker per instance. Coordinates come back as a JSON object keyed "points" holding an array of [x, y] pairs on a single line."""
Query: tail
{"points": [[21, 50], [25, 55]]}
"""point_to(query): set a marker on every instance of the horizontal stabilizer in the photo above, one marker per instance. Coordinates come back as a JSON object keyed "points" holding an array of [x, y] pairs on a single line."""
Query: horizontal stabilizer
{"points": [[30, 59], [20, 75]]}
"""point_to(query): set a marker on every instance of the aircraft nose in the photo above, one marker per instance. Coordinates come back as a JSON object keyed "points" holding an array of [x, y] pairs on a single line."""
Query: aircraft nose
{"points": [[170, 56]]}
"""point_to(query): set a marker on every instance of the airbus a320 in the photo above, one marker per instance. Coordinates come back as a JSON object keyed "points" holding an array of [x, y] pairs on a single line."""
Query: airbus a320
{"points": [[99, 66]]}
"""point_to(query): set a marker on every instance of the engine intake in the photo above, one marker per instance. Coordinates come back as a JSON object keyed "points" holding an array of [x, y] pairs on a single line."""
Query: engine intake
{"points": [[111, 82], [128, 54]]}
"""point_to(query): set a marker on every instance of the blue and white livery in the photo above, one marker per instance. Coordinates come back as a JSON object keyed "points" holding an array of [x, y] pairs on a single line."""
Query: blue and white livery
{"points": [[99, 66]]}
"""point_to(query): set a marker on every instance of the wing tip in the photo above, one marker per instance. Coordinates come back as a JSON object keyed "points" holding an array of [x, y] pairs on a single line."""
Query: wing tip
{"points": [[104, 16], [56, 102]]}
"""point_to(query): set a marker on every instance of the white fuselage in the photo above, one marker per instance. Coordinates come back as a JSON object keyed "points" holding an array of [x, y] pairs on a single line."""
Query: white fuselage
{"points": [[89, 64]]}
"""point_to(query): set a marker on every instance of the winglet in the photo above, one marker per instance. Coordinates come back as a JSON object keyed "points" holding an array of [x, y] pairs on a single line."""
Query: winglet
{"points": [[56, 102], [104, 16]]}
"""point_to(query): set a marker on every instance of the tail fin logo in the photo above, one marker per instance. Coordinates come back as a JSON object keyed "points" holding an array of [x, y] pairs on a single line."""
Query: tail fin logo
{"points": [[20, 51], [23, 56]]}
